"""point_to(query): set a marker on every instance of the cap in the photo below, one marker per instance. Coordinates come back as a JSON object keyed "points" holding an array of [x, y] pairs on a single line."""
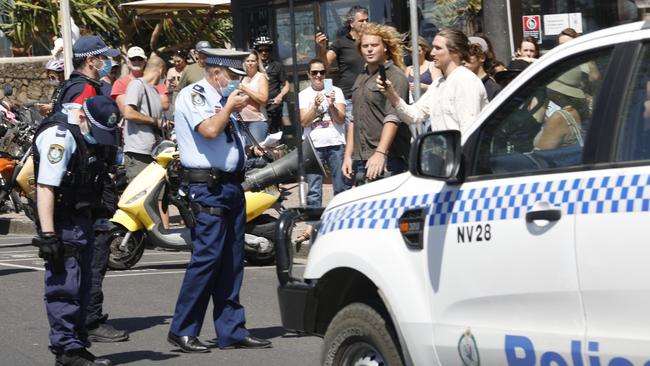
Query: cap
{"points": [[232, 59], [92, 46], [479, 41], [262, 40], [103, 116], [201, 45], [569, 83], [136, 52]]}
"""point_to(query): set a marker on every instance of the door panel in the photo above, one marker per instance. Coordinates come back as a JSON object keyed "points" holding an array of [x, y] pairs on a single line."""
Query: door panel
{"points": [[493, 274]]}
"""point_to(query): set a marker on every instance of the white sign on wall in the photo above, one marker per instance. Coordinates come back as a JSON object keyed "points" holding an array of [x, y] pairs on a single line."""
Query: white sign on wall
{"points": [[555, 23]]}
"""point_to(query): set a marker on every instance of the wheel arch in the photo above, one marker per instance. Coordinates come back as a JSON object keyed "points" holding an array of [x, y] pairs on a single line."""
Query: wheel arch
{"points": [[343, 286]]}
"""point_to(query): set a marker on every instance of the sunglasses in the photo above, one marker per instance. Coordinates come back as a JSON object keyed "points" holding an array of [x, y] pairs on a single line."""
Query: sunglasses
{"points": [[136, 59], [264, 50], [317, 72]]}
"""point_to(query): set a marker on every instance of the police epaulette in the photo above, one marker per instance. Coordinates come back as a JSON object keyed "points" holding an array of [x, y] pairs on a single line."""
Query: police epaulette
{"points": [[198, 88]]}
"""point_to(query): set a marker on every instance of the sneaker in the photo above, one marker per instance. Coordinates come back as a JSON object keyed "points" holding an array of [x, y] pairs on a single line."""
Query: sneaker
{"points": [[107, 334], [80, 358]]}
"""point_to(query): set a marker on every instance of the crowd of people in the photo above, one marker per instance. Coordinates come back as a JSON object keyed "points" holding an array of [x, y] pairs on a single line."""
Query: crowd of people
{"points": [[221, 107]]}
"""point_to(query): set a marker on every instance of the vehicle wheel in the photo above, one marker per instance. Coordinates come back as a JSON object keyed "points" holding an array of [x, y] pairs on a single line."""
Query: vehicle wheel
{"points": [[359, 335], [121, 258], [264, 226], [28, 208]]}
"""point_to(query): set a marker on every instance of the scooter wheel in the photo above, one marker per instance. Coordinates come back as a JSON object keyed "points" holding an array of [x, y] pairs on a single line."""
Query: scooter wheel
{"points": [[124, 257], [264, 226]]}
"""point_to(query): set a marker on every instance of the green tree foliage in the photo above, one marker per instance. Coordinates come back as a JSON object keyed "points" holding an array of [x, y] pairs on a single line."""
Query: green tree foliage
{"points": [[29, 22]]}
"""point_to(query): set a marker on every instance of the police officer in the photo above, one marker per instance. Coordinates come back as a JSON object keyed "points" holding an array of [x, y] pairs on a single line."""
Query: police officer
{"points": [[91, 63], [212, 153], [65, 194]]}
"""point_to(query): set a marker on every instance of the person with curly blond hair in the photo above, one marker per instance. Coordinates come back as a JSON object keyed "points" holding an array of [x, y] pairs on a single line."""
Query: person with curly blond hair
{"points": [[453, 101], [377, 141]]}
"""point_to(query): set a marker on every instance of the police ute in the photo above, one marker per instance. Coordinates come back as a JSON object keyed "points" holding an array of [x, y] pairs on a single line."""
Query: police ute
{"points": [[525, 241]]}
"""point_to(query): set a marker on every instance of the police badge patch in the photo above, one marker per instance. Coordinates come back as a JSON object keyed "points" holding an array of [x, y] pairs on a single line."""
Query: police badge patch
{"points": [[55, 154], [198, 100], [467, 350]]}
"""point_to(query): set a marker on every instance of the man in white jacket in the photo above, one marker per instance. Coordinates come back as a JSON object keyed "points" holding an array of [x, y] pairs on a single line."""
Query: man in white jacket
{"points": [[452, 101]]}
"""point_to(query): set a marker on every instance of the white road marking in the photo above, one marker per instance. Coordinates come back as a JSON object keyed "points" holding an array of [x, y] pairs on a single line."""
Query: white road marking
{"points": [[19, 251], [19, 266]]}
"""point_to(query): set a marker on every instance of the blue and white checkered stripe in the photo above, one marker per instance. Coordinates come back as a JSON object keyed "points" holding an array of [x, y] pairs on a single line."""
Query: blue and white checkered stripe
{"points": [[624, 193]]}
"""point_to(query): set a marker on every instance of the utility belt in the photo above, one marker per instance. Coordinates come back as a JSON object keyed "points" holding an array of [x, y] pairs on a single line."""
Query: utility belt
{"points": [[211, 176]]}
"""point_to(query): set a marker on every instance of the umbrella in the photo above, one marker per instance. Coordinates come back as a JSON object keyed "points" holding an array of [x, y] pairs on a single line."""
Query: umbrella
{"points": [[151, 7]]}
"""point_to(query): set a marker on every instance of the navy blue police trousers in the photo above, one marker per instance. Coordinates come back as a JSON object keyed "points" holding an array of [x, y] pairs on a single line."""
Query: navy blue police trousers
{"points": [[67, 293], [216, 268]]}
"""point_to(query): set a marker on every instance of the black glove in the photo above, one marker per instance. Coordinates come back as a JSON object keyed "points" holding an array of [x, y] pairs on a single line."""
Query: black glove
{"points": [[50, 248]]}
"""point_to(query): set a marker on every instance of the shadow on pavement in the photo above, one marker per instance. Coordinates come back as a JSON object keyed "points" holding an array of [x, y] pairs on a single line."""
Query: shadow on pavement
{"points": [[134, 356], [137, 324], [268, 332], [182, 265], [264, 333], [7, 272]]}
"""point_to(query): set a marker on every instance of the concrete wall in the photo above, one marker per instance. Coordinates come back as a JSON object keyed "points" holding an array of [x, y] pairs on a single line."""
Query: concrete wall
{"points": [[27, 77]]}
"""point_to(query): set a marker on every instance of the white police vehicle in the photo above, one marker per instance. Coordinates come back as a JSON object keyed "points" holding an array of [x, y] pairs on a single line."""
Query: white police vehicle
{"points": [[492, 251]]}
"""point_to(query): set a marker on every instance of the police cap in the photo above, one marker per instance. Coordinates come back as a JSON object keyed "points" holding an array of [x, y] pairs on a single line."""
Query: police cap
{"points": [[103, 116], [92, 46], [232, 59]]}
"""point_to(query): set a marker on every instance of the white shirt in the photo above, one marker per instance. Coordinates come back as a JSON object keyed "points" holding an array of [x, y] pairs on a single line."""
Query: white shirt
{"points": [[323, 132], [452, 103]]}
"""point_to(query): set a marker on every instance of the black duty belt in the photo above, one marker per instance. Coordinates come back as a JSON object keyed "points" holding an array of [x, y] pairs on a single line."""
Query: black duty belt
{"points": [[211, 176]]}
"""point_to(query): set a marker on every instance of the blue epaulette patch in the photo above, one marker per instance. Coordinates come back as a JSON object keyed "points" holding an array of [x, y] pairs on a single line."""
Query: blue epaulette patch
{"points": [[61, 131], [198, 88]]}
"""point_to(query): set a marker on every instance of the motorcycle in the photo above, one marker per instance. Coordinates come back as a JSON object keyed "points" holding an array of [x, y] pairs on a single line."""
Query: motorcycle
{"points": [[138, 219], [15, 147]]}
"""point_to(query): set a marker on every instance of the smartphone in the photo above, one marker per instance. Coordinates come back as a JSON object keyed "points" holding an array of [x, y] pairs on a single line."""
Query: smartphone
{"points": [[328, 86], [382, 73], [319, 29]]}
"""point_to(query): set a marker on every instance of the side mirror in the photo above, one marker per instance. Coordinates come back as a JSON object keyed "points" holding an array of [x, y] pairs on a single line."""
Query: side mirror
{"points": [[8, 90], [436, 155]]}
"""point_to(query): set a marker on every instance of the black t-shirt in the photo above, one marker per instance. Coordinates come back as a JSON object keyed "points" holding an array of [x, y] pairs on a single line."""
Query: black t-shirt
{"points": [[491, 87], [349, 61], [277, 77]]}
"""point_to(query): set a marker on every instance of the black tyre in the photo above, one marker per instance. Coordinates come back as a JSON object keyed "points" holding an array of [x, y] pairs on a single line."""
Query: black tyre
{"points": [[125, 257], [264, 226], [28, 208], [359, 335]]}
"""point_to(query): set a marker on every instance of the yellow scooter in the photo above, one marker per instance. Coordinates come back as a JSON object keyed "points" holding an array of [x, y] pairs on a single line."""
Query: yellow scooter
{"points": [[138, 220]]}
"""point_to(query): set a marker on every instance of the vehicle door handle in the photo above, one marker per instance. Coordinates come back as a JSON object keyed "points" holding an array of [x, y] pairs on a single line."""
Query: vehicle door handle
{"points": [[550, 214]]}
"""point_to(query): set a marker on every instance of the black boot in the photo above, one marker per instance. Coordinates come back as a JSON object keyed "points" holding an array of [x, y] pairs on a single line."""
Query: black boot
{"points": [[106, 333], [80, 357]]}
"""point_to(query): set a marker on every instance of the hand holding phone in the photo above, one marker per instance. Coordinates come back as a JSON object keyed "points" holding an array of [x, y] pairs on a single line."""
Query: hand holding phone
{"points": [[382, 74], [328, 86]]}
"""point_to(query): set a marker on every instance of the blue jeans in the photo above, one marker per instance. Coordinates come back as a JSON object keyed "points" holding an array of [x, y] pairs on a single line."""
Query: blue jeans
{"points": [[259, 130], [333, 157], [394, 166], [348, 113]]}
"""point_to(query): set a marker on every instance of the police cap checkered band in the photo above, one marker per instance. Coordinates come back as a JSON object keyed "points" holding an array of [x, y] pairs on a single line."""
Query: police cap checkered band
{"points": [[93, 121], [226, 58], [92, 46]]}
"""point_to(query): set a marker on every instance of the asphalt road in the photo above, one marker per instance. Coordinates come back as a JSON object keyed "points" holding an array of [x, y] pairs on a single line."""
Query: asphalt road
{"points": [[141, 301]]}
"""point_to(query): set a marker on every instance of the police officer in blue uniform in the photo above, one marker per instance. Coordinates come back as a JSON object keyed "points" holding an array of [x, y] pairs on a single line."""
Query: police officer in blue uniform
{"points": [[212, 153], [91, 63], [66, 182]]}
